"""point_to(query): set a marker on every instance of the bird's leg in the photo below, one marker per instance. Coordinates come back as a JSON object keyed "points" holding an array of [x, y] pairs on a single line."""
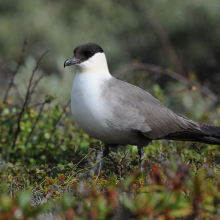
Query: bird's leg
{"points": [[141, 154], [105, 154]]}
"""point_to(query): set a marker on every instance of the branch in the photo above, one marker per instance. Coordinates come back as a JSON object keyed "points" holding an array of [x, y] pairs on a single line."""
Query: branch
{"points": [[198, 151], [22, 57], [35, 123], [26, 102], [36, 83], [36, 105], [18, 93], [159, 30], [53, 130], [177, 92], [174, 75], [15, 72]]}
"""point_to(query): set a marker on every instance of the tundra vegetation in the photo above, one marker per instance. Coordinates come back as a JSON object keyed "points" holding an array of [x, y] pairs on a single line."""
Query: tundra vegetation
{"points": [[48, 166]]}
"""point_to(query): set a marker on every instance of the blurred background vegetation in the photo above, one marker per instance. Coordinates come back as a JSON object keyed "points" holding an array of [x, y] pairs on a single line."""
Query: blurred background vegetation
{"points": [[182, 36], [167, 47]]}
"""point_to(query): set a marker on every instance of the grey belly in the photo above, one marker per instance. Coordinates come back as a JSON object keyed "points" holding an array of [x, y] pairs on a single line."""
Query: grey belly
{"points": [[111, 135]]}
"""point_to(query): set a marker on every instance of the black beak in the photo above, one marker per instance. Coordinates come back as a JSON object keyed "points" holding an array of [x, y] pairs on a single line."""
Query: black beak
{"points": [[71, 61]]}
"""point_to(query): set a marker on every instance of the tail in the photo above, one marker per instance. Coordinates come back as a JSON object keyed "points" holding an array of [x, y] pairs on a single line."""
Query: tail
{"points": [[204, 133]]}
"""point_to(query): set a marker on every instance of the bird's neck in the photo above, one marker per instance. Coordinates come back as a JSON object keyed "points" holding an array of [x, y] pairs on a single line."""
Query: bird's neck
{"points": [[96, 64]]}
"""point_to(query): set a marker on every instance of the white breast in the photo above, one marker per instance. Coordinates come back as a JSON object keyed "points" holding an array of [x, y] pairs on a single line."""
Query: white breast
{"points": [[88, 110]]}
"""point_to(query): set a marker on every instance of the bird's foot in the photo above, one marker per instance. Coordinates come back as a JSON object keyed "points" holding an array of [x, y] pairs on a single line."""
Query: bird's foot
{"points": [[141, 154], [105, 153]]}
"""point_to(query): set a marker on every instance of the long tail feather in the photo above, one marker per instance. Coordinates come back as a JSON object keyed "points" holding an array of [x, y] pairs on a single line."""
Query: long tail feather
{"points": [[208, 134]]}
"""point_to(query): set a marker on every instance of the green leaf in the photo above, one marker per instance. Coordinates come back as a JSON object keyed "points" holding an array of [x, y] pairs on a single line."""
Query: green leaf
{"points": [[23, 199]]}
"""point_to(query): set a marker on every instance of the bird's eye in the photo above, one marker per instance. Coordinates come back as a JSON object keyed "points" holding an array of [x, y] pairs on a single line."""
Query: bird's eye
{"points": [[89, 54]]}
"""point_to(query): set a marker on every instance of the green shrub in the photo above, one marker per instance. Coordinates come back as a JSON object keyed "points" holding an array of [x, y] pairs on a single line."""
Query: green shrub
{"points": [[47, 171]]}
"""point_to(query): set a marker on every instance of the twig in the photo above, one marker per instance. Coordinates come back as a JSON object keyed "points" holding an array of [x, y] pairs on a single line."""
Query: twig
{"points": [[18, 93], [173, 75], [35, 123], [26, 102], [13, 84], [198, 151], [177, 92], [36, 83], [54, 128], [120, 163], [71, 175], [159, 30], [37, 104], [22, 56], [9, 73], [15, 72]]}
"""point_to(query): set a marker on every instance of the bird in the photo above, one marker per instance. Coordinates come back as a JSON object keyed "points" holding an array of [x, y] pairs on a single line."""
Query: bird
{"points": [[118, 113]]}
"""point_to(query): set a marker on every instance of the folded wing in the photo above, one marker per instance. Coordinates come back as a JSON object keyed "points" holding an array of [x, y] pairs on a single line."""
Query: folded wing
{"points": [[135, 109]]}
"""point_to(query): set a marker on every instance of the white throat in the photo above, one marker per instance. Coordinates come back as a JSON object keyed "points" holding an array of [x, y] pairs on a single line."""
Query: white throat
{"points": [[96, 64]]}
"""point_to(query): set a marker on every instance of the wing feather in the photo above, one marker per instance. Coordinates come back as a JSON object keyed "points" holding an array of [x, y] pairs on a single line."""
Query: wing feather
{"points": [[136, 109]]}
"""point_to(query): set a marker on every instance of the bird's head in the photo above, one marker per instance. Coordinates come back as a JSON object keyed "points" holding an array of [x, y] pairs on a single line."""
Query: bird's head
{"points": [[88, 57]]}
